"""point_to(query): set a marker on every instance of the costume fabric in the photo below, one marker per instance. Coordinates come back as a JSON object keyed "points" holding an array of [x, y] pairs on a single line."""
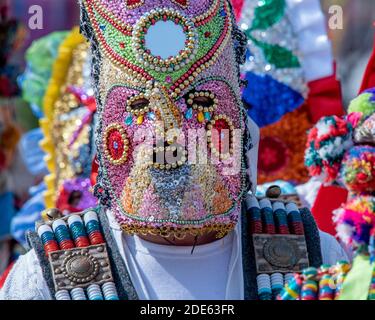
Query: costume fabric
{"points": [[26, 282]]}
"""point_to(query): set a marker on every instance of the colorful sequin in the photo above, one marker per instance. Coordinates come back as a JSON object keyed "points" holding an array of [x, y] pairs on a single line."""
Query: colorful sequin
{"points": [[116, 144], [145, 96]]}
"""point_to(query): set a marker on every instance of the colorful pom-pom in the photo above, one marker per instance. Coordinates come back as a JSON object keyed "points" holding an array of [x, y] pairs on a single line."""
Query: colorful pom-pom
{"points": [[365, 132], [327, 143], [358, 169], [364, 103], [356, 221], [324, 283]]}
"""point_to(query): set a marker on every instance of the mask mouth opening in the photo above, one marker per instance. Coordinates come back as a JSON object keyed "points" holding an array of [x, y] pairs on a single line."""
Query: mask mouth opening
{"points": [[166, 156]]}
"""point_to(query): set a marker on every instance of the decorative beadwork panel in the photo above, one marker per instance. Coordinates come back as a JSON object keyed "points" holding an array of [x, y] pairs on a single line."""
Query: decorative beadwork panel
{"points": [[80, 267], [279, 243], [78, 257], [280, 253]]}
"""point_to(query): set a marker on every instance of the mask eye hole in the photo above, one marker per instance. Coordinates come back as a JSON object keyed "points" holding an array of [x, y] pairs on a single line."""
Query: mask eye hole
{"points": [[138, 105], [205, 101]]}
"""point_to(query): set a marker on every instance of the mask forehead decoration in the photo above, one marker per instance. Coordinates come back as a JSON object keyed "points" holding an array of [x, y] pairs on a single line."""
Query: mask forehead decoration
{"points": [[171, 124]]}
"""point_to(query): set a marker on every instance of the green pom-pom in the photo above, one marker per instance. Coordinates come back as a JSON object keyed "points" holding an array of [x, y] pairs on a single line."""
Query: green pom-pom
{"points": [[362, 104], [40, 58]]}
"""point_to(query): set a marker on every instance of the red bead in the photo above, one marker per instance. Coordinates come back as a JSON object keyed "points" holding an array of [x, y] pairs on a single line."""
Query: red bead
{"points": [[96, 238], [51, 246], [283, 230], [256, 227], [297, 228], [269, 229], [66, 244], [82, 242], [182, 2], [133, 2]]}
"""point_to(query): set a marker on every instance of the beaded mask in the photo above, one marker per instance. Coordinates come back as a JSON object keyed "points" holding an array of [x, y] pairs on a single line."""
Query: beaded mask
{"points": [[171, 130]]}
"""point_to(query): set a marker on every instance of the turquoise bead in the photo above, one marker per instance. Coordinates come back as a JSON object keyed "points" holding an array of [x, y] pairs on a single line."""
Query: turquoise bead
{"points": [[151, 116], [189, 114], [207, 116], [129, 120]]}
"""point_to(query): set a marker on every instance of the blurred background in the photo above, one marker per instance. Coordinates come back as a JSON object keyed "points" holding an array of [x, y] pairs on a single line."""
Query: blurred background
{"points": [[353, 44]]}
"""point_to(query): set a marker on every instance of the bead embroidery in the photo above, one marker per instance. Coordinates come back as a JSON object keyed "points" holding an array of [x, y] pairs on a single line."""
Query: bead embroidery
{"points": [[80, 269], [209, 48], [182, 3], [116, 144], [217, 136], [132, 4], [138, 104], [204, 102], [172, 63]]}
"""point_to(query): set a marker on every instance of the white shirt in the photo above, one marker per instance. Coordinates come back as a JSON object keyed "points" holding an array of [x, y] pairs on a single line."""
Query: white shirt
{"points": [[162, 272], [176, 280], [175, 273]]}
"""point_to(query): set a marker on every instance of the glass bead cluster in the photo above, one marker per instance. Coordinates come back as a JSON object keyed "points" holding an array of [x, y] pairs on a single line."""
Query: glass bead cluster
{"points": [[107, 144], [213, 125], [204, 111]]}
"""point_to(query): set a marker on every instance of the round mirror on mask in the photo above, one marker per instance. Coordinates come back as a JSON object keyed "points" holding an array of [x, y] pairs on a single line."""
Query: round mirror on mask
{"points": [[165, 40]]}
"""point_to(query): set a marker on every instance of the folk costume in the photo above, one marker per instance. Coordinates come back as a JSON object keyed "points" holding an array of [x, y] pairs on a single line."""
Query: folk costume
{"points": [[164, 72]]}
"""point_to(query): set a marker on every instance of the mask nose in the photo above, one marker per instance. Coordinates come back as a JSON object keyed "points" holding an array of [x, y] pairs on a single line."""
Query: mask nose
{"points": [[165, 108]]}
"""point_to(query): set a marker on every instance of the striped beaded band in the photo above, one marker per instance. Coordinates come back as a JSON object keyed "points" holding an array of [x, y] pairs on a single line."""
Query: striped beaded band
{"points": [[73, 240], [270, 217]]}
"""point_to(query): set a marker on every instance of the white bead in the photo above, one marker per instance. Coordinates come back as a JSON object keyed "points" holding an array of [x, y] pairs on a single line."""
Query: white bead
{"points": [[264, 282], [74, 218], [43, 229], [78, 294], [94, 292], [62, 295], [90, 216], [109, 291], [277, 206], [58, 223], [290, 207], [265, 203], [288, 277], [277, 279], [251, 202]]}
